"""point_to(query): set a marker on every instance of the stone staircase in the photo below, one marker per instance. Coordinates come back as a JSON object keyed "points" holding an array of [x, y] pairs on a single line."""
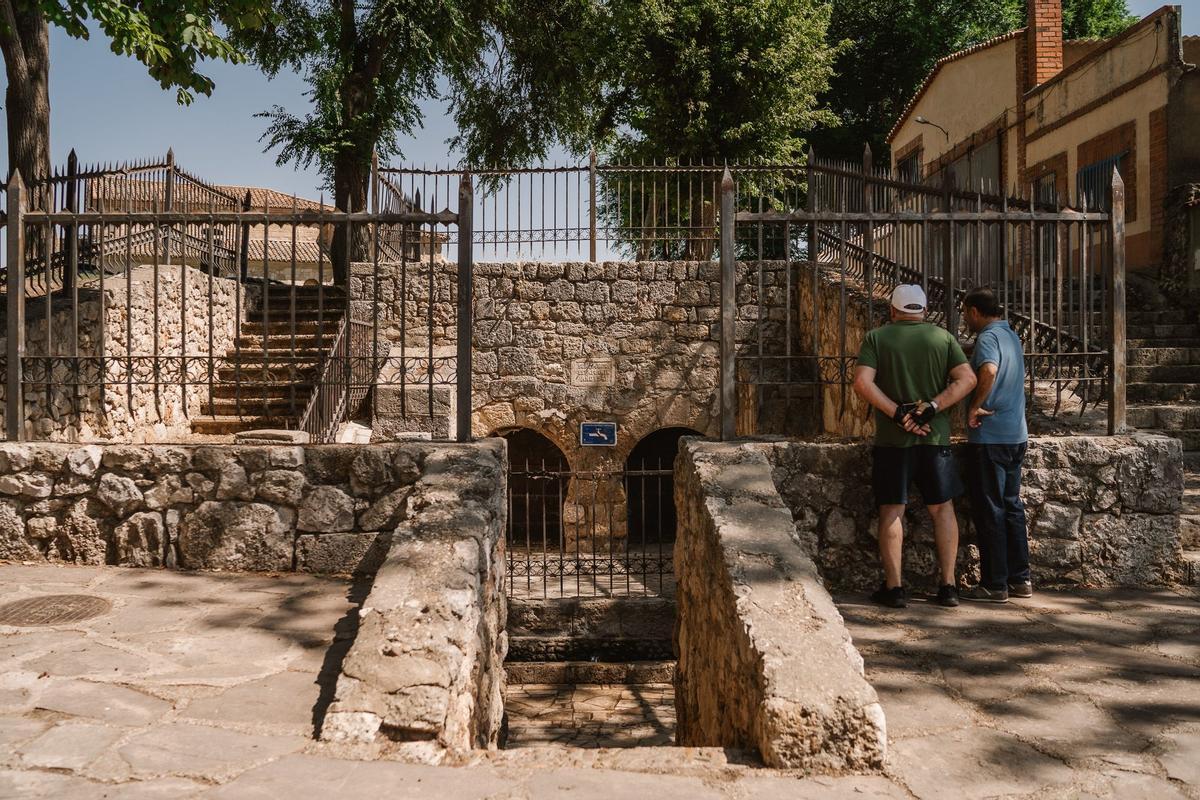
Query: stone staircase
{"points": [[266, 380], [590, 672], [1164, 395]]}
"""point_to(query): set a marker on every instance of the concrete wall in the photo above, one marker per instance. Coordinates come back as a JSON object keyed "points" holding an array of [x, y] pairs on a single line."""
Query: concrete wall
{"points": [[1103, 511], [127, 411], [318, 508], [765, 662]]}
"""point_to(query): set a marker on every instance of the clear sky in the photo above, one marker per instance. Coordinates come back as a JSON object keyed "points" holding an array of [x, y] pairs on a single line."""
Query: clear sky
{"points": [[107, 108]]}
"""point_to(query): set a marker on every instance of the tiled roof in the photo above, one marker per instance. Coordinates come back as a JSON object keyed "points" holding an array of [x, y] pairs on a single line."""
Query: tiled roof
{"points": [[137, 189], [941, 62], [307, 252], [273, 199]]}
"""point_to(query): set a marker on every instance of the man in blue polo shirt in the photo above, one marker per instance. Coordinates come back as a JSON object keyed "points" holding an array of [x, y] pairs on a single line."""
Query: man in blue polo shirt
{"points": [[997, 438]]}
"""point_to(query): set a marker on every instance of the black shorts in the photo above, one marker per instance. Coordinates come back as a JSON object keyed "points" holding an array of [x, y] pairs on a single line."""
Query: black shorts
{"points": [[931, 467]]}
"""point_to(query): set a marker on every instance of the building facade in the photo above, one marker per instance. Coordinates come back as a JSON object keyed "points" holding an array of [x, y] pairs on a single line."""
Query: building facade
{"points": [[1031, 114]]}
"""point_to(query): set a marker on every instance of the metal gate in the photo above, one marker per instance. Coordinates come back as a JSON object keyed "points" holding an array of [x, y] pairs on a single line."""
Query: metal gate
{"points": [[590, 533]]}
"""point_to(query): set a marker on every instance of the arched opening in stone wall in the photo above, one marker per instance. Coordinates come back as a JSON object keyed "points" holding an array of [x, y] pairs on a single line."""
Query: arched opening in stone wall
{"points": [[650, 487], [537, 487]]}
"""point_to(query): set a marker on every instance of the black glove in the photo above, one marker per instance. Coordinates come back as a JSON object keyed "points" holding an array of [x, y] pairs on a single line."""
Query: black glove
{"points": [[902, 411], [925, 413]]}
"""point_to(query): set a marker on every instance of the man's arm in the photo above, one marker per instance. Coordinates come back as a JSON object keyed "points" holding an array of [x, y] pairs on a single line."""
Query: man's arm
{"points": [[962, 381], [866, 388], [986, 379]]}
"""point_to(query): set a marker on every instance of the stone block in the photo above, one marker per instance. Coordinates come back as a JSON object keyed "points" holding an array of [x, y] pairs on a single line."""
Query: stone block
{"points": [[282, 486], [119, 493], [235, 535], [141, 540], [341, 553], [326, 509]]}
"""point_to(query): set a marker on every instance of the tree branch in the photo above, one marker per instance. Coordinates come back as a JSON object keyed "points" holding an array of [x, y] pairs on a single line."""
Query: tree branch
{"points": [[10, 43]]}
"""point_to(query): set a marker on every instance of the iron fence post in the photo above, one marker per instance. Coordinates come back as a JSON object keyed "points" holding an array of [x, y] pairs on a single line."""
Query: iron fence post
{"points": [[948, 271], [1115, 287], [14, 405], [869, 237], [728, 309], [244, 249], [466, 305], [169, 198], [592, 206], [71, 235]]}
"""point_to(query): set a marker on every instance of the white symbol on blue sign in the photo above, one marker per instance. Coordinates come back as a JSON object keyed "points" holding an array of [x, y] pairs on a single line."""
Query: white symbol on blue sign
{"points": [[598, 434]]}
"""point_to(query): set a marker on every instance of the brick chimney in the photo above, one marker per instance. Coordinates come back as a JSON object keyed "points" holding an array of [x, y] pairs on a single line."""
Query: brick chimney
{"points": [[1044, 40]]}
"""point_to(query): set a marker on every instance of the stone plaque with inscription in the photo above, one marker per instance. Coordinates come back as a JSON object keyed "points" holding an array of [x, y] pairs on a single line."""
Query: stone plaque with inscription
{"points": [[593, 373]]}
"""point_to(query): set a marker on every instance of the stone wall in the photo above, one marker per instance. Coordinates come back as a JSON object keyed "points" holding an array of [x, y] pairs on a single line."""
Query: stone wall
{"points": [[316, 508], [557, 344], [126, 411], [424, 678], [765, 661], [1102, 511]]}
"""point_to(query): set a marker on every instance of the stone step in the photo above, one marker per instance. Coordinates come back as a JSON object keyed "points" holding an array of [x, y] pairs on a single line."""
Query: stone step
{"points": [[229, 407], [1164, 417], [1164, 373], [225, 425], [1189, 531], [611, 649], [593, 672], [1164, 356], [1163, 392], [630, 617], [283, 326], [273, 357], [1166, 316], [256, 390], [280, 321], [1191, 461], [1138, 343], [289, 372], [285, 341], [1169, 331]]}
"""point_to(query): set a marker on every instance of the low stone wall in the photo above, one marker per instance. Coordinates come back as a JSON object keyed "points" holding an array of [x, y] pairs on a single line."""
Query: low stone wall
{"points": [[765, 661], [424, 678], [128, 319], [1102, 511], [316, 508]]}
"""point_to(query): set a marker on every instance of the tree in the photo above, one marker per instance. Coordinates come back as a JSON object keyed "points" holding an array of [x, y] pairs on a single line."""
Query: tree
{"points": [[368, 65], [895, 43], [169, 36]]}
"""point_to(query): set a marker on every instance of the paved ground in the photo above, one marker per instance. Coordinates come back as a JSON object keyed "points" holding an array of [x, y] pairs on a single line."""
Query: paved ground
{"points": [[209, 686], [590, 715]]}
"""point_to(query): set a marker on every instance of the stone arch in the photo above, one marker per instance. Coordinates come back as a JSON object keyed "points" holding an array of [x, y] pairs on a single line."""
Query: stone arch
{"points": [[650, 486], [538, 483]]}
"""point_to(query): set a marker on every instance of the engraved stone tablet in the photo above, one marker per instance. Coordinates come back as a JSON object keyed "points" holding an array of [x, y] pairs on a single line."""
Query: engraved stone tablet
{"points": [[594, 373]]}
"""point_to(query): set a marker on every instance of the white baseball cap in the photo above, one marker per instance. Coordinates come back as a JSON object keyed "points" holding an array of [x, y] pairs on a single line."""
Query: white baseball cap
{"points": [[908, 298]]}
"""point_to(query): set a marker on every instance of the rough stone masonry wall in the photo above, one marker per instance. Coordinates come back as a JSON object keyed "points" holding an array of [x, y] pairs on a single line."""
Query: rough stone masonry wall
{"points": [[765, 661], [1102, 511], [60, 412], [316, 508], [556, 344], [424, 678]]}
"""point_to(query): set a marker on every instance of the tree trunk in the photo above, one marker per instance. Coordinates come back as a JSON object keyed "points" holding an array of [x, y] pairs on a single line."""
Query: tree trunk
{"points": [[26, 46], [350, 179]]}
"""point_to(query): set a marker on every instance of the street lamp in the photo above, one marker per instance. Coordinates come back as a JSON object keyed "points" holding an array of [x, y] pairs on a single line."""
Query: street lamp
{"points": [[923, 121]]}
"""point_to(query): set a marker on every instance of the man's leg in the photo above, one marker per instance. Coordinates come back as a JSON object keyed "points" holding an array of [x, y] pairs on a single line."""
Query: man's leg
{"points": [[986, 481], [891, 543], [945, 534], [1017, 535]]}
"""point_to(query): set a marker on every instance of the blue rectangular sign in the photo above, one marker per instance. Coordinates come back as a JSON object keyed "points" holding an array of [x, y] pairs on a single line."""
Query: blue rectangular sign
{"points": [[598, 434]]}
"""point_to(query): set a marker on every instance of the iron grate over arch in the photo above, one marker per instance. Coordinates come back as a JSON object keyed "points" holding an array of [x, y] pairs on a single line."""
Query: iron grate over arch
{"points": [[650, 487]]}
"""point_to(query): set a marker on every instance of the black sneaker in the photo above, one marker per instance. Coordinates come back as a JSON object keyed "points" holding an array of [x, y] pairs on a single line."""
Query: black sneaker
{"points": [[895, 597], [982, 594], [1022, 589], [947, 596]]}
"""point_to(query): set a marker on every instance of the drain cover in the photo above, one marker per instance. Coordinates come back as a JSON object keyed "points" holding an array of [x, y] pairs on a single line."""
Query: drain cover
{"points": [[53, 609]]}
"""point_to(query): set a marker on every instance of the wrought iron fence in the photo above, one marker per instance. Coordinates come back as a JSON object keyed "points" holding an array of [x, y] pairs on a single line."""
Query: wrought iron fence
{"points": [[152, 312], [603, 533]]}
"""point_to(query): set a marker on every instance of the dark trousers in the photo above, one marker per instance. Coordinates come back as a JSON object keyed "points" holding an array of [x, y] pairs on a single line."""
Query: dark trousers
{"points": [[994, 485]]}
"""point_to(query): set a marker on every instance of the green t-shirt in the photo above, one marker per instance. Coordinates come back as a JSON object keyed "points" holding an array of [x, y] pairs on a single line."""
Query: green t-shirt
{"points": [[912, 362]]}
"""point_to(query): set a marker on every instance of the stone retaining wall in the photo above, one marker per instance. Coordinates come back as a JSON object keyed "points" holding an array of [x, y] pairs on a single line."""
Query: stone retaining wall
{"points": [[127, 322], [424, 678], [765, 662], [316, 508], [1102, 511]]}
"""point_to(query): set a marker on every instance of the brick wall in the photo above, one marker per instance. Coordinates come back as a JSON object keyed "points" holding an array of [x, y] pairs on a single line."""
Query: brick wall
{"points": [[1045, 40], [1122, 138]]}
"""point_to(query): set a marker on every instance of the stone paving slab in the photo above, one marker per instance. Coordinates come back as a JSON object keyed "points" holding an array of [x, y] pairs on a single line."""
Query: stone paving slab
{"points": [[1010, 701]]}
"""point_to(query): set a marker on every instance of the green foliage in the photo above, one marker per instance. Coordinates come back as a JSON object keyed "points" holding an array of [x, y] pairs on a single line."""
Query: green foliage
{"points": [[895, 43], [171, 37], [368, 66]]}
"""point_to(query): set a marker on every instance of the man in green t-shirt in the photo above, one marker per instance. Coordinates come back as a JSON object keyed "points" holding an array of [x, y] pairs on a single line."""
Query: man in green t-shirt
{"points": [[913, 372]]}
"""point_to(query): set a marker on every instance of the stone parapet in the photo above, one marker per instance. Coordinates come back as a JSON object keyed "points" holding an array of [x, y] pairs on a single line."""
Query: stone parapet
{"points": [[765, 662], [425, 678], [310, 508], [1102, 511]]}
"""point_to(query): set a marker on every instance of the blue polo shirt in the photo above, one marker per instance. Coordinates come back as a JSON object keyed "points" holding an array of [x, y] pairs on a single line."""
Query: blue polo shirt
{"points": [[999, 344]]}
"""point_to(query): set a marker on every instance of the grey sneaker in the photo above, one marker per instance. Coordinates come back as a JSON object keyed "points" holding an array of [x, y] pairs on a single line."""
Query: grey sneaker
{"points": [[982, 594], [1022, 589]]}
